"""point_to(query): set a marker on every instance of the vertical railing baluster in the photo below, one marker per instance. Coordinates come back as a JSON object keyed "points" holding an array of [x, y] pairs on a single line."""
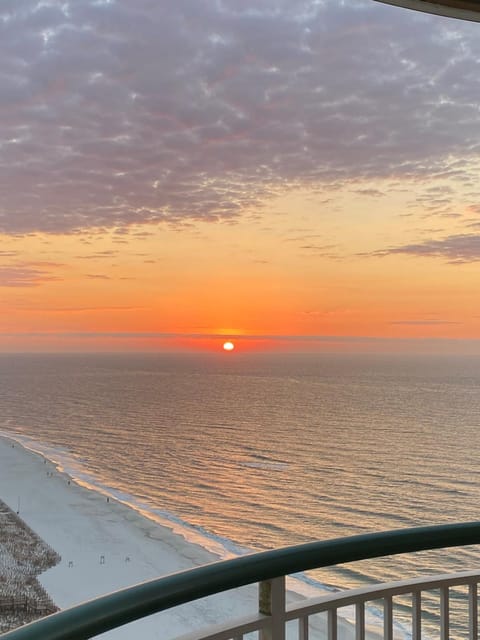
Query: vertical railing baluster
{"points": [[360, 621], [444, 613], [417, 615], [332, 624], [388, 618], [473, 611], [303, 628], [271, 602]]}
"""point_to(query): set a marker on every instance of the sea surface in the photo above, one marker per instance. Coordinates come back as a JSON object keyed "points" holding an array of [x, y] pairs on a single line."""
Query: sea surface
{"points": [[253, 452]]}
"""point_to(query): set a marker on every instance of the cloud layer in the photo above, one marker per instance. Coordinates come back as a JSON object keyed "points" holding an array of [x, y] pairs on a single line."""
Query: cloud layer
{"points": [[455, 249], [25, 275], [117, 112]]}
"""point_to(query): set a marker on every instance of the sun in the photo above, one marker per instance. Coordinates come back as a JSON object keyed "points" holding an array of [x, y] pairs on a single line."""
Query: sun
{"points": [[228, 346]]}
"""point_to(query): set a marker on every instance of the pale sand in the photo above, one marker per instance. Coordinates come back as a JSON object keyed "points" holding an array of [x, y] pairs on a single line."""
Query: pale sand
{"points": [[82, 526]]}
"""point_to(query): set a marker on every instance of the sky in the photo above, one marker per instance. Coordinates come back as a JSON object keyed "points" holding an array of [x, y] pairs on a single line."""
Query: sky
{"points": [[295, 175]]}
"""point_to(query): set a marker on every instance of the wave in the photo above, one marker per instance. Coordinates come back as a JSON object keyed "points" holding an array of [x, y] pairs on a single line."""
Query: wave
{"points": [[71, 465], [268, 466]]}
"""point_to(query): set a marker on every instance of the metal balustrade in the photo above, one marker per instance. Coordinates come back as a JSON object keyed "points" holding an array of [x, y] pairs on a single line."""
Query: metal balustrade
{"points": [[269, 570], [359, 599]]}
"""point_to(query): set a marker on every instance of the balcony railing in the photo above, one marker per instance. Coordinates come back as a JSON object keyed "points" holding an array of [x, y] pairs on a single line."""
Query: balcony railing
{"points": [[269, 570]]}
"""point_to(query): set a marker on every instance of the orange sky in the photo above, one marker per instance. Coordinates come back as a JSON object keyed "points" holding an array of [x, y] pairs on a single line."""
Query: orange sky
{"points": [[291, 193], [252, 277]]}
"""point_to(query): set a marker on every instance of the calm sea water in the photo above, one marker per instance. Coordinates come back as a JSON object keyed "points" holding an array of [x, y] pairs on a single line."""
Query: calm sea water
{"points": [[265, 451]]}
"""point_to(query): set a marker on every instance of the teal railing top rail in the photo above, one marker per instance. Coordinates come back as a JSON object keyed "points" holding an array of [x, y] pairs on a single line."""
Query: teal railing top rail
{"points": [[119, 608]]}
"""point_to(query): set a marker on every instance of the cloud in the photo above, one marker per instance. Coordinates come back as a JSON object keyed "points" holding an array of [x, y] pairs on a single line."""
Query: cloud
{"points": [[121, 113], [98, 255], [372, 193], [321, 250], [23, 276], [456, 249], [134, 335], [87, 309], [421, 323]]}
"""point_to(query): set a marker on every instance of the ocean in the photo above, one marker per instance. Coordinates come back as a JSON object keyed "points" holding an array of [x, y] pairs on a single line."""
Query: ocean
{"points": [[252, 452]]}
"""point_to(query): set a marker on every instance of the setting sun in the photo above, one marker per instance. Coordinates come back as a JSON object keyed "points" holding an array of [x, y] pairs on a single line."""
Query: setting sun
{"points": [[228, 346]]}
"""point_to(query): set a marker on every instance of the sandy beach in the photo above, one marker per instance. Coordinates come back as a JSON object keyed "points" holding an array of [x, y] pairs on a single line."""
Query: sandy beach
{"points": [[105, 546]]}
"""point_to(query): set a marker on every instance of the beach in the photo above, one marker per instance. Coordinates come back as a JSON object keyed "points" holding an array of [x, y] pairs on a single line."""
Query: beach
{"points": [[105, 545]]}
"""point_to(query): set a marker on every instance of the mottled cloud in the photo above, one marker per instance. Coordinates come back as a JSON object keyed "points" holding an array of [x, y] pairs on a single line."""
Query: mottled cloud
{"points": [[98, 255], [87, 309], [24, 275], [321, 250], [421, 323], [118, 113], [455, 249], [372, 193]]}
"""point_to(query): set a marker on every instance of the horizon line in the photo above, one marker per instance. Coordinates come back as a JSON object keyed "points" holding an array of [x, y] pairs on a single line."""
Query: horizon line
{"points": [[233, 336]]}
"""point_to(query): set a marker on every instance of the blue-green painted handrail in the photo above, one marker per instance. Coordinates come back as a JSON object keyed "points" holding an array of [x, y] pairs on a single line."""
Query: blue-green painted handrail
{"points": [[119, 608]]}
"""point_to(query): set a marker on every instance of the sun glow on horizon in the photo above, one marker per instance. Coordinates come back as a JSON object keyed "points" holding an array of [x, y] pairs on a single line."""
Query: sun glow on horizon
{"points": [[228, 346]]}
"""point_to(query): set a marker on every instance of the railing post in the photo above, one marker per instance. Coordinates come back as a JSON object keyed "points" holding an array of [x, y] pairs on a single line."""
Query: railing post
{"points": [[303, 629], [271, 602], [444, 613], [417, 615], [388, 618], [360, 621], [473, 611], [332, 624]]}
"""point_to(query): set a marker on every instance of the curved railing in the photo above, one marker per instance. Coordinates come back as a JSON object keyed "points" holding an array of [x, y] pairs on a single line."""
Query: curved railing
{"points": [[269, 569]]}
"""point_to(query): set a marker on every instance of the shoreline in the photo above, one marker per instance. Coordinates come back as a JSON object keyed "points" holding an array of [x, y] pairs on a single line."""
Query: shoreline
{"points": [[62, 462], [106, 545]]}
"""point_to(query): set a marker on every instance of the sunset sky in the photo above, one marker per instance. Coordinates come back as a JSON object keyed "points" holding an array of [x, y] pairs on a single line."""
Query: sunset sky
{"points": [[288, 174]]}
